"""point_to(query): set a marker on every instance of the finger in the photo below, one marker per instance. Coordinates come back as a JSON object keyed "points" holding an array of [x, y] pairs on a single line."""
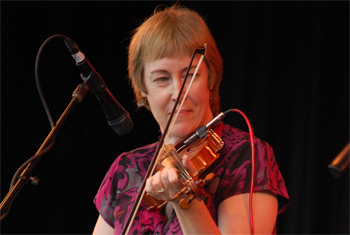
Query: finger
{"points": [[165, 175], [157, 182], [149, 187], [173, 176], [189, 165], [170, 177]]}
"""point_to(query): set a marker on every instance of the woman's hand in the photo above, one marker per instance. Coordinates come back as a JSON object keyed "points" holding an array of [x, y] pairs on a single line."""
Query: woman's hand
{"points": [[165, 183]]}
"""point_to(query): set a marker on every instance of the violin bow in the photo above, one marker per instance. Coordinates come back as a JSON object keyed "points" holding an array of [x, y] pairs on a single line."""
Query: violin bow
{"points": [[140, 195]]}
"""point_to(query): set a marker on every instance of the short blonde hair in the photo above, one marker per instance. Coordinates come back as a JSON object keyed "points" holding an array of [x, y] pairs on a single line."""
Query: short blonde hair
{"points": [[171, 32]]}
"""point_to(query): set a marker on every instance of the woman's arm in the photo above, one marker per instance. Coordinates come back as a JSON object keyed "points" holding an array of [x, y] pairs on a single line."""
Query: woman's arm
{"points": [[196, 219], [233, 214], [102, 228]]}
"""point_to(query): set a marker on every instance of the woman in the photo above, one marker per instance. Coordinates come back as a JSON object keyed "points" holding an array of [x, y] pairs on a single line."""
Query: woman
{"points": [[159, 54]]}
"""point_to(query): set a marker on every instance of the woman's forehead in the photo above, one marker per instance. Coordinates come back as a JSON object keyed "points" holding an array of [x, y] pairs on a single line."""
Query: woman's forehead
{"points": [[178, 62]]}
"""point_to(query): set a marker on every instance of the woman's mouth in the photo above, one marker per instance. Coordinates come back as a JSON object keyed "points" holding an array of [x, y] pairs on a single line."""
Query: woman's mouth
{"points": [[183, 113]]}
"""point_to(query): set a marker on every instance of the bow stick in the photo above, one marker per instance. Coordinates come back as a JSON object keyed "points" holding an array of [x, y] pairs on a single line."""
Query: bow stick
{"points": [[137, 202]]}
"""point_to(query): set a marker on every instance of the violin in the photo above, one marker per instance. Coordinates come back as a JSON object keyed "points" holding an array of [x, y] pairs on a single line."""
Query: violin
{"points": [[202, 153]]}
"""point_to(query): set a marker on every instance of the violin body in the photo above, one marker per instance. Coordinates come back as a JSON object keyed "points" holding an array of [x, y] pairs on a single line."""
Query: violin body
{"points": [[202, 154]]}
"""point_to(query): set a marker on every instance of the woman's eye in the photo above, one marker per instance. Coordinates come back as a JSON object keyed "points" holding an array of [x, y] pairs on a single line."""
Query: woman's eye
{"points": [[190, 75], [161, 80]]}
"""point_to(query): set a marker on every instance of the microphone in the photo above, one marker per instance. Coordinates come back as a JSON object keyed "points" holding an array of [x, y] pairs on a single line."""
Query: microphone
{"points": [[117, 117], [340, 162]]}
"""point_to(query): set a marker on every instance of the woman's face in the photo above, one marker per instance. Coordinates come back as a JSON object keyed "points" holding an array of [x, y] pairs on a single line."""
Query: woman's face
{"points": [[163, 79]]}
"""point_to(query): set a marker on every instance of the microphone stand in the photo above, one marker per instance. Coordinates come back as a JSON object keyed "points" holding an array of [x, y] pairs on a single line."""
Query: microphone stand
{"points": [[26, 175]]}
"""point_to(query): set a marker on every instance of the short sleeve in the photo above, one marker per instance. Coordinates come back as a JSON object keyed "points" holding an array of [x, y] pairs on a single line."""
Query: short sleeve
{"points": [[236, 175], [118, 190], [105, 197]]}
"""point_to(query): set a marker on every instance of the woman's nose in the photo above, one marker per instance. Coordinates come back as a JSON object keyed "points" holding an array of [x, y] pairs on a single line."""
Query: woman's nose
{"points": [[177, 87]]}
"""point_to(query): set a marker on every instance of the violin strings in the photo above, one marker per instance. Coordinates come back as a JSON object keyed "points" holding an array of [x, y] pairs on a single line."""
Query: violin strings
{"points": [[177, 163]]}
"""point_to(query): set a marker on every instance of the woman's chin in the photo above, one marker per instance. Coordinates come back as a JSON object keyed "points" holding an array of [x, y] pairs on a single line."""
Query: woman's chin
{"points": [[181, 131]]}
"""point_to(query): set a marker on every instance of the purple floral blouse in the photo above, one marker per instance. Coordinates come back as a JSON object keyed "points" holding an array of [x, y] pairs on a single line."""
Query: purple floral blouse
{"points": [[118, 189]]}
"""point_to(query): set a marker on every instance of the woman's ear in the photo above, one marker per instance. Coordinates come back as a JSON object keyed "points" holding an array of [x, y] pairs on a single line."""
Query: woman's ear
{"points": [[143, 94], [142, 102]]}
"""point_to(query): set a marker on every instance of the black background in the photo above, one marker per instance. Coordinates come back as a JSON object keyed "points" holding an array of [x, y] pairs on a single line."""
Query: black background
{"points": [[286, 65]]}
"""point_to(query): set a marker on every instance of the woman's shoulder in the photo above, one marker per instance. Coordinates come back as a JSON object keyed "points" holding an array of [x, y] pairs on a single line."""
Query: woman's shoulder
{"points": [[132, 158], [236, 138], [147, 149], [236, 166], [234, 135], [237, 148]]}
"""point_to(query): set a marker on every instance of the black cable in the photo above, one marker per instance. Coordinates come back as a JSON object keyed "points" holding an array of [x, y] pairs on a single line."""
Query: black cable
{"points": [[19, 170], [38, 86], [43, 101]]}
